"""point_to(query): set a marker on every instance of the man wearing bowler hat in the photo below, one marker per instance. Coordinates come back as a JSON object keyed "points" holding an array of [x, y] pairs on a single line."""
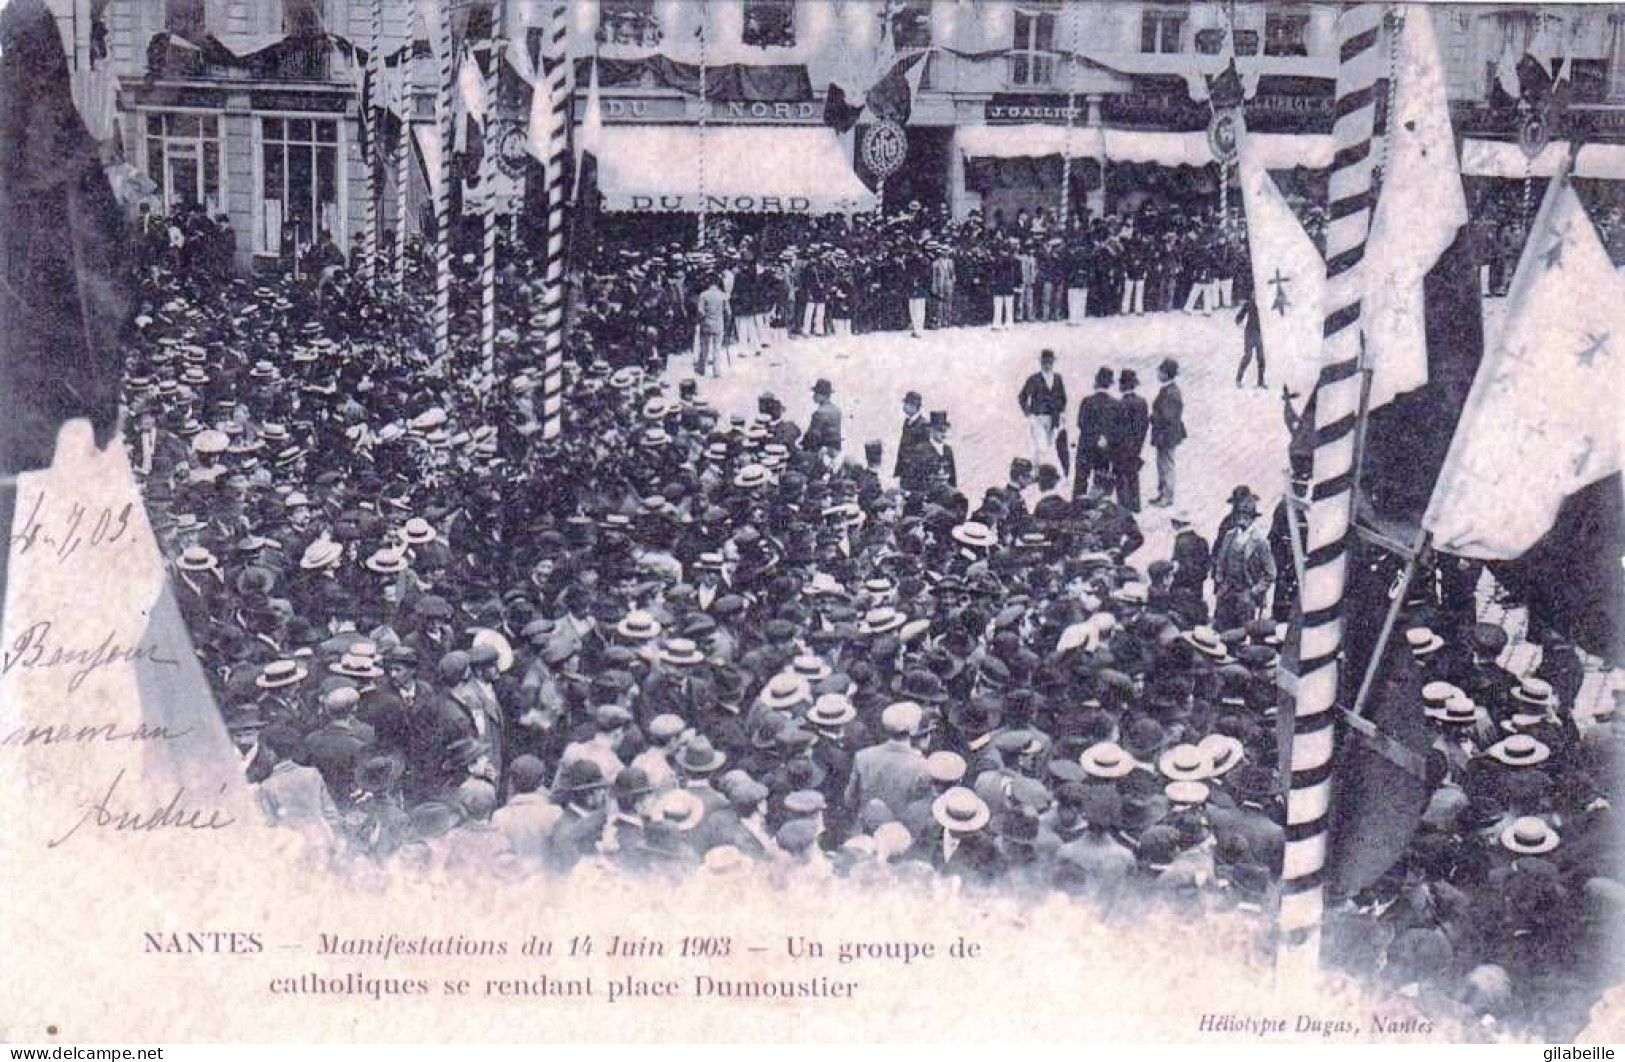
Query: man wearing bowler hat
{"points": [[1126, 440], [1092, 471], [910, 468], [824, 430]]}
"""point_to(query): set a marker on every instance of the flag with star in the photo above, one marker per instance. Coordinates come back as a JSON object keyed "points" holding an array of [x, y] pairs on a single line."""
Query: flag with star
{"points": [[1417, 219], [1540, 434], [1288, 277]]}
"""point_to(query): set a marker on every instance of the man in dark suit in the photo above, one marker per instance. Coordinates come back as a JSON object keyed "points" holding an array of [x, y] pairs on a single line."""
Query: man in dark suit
{"points": [[1167, 429], [912, 470], [824, 430], [939, 456], [1127, 440], [1043, 401], [1252, 339], [1092, 473]]}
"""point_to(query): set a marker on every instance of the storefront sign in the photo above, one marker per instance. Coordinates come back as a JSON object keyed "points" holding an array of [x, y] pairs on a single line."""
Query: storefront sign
{"points": [[677, 203], [1054, 108], [1280, 105], [675, 109]]}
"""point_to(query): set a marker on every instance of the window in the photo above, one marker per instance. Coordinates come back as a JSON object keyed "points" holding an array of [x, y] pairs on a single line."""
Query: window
{"points": [[911, 24], [184, 18], [302, 18], [1032, 48], [183, 159], [1616, 57], [1160, 31], [299, 183], [1286, 34], [628, 22], [770, 23], [1211, 41]]}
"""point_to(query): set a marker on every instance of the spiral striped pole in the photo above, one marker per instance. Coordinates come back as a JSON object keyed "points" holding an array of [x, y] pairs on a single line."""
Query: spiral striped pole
{"points": [[442, 192], [403, 156], [488, 224], [375, 74], [558, 75], [1331, 508]]}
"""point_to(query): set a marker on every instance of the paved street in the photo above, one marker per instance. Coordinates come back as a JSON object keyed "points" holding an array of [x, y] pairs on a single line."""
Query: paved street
{"points": [[1237, 435]]}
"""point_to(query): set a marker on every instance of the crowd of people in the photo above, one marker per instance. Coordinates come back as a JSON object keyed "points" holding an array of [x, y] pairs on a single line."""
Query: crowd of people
{"points": [[914, 270], [675, 641]]}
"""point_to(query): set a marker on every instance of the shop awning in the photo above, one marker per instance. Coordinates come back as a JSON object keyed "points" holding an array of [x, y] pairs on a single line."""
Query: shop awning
{"points": [[1281, 151], [743, 169], [1500, 158]]}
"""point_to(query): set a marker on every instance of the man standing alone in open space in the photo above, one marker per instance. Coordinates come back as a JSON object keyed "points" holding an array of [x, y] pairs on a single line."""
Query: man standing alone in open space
{"points": [[1043, 402]]}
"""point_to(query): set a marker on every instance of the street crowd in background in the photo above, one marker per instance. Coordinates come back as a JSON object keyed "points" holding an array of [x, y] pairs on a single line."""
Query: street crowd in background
{"points": [[915, 270], [676, 642]]}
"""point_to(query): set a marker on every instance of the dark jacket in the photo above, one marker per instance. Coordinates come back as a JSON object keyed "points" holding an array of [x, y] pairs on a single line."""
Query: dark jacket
{"points": [[1168, 417], [1036, 398], [1126, 439], [1096, 415]]}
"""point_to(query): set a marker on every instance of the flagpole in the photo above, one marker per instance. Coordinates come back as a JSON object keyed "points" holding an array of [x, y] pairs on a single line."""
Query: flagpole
{"points": [[705, 111], [369, 102], [558, 75], [442, 193], [1319, 640], [403, 158], [488, 233]]}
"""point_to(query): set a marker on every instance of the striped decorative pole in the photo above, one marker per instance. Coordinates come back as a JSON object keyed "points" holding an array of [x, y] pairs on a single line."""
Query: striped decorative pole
{"points": [[488, 220], [444, 87], [403, 156], [375, 77], [558, 75], [1331, 507]]}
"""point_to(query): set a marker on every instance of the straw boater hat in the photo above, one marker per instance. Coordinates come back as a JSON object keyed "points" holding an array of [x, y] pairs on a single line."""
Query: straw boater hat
{"points": [[751, 476], [279, 673], [832, 709], [1422, 641], [1458, 710], [785, 690], [680, 808], [197, 559], [418, 531], [386, 561], [1519, 750], [1223, 751], [1535, 692], [1106, 759], [322, 553], [354, 665], [975, 534], [638, 626], [881, 620], [680, 652], [811, 668], [1205, 640], [960, 810], [1436, 694], [1185, 763], [1529, 835], [1187, 793]]}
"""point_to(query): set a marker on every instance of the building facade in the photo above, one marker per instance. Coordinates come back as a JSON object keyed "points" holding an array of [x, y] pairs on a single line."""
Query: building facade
{"points": [[250, 107]]}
